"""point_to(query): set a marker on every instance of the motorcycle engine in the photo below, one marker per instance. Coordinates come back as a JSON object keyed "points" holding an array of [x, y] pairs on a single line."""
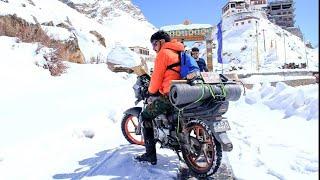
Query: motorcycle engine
{"points": [[162, 130]]}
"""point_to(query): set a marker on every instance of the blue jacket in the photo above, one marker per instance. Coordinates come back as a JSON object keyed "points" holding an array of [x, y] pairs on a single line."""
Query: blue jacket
{"points": [[202, 65]]}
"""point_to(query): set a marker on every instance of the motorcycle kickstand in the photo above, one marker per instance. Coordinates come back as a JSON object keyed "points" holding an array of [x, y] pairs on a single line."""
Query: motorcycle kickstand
{"points": [[180, 159]]}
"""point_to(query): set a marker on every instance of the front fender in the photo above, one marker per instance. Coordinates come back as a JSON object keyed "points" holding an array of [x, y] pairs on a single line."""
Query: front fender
{"points": [[134, 111]]}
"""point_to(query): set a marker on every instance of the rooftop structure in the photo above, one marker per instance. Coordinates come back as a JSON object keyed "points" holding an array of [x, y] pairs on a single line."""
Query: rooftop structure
{"points": [[260, 5], [281, 12], [233, 6], [188, 31]]}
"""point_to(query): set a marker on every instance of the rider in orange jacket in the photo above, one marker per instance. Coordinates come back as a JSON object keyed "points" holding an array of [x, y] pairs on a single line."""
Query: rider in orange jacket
{"points": [[167, 54]]}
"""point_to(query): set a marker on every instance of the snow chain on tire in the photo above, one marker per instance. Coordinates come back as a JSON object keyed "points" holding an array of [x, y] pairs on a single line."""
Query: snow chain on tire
{"points": [[217, 149]]}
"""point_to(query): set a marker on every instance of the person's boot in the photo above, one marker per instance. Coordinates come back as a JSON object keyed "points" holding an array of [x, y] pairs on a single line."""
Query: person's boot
{"points": [[151, 154]]}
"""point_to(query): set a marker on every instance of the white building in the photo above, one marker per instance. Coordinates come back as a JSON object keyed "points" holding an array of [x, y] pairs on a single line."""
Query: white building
{"points": [[233, 7], [142, 52], [238, 6], [246, 20]]}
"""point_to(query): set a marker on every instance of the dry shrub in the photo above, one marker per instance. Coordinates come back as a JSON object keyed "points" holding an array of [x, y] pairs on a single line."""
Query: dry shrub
{"points": [[53, 63], [56, 66], [54, 59], [97, 60], [243, 48]]}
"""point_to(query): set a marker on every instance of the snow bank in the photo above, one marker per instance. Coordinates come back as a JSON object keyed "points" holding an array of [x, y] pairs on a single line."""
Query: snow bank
{"points": [[293, 101], [123, 56], [275, 133]]}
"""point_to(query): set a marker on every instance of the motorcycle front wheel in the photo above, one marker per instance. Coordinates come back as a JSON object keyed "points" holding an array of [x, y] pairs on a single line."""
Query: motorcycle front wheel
{"points": [[129, 125], [204, 152]]}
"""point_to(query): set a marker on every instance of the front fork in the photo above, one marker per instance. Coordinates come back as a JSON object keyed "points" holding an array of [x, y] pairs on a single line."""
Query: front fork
{"points": [[138, 130]]}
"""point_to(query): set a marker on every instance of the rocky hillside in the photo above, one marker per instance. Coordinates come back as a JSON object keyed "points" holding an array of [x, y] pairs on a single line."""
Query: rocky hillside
{"points": [[87, 30]]}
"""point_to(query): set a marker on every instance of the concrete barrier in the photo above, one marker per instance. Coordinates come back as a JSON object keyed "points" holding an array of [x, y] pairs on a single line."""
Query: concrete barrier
{"points": [[293, 82]]}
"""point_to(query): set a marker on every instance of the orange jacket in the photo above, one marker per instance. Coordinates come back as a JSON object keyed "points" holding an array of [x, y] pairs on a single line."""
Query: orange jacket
{"points": [[161, 77]]}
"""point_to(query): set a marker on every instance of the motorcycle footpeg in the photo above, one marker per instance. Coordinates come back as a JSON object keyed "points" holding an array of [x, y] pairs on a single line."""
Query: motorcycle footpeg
{"points": [[138, 131]]}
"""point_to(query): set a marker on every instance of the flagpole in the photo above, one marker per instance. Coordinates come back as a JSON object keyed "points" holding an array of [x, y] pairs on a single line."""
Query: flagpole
{"points": [[222, 68], [219, 38]]}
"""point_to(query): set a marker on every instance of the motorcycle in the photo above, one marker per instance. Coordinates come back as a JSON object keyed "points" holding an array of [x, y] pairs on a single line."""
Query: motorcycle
{"points": [[196, 130]]}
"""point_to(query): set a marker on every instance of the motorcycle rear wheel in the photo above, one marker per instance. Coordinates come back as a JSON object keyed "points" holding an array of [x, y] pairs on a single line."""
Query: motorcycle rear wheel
{"points": [[128, 127], [205, 151]]}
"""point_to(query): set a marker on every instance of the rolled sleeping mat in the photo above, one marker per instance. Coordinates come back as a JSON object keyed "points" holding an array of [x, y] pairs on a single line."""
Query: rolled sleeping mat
{"points": [[185, 93]]}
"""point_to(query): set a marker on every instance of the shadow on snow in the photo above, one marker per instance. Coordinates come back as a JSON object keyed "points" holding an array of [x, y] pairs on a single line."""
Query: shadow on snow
{"points": [[118, 163]]}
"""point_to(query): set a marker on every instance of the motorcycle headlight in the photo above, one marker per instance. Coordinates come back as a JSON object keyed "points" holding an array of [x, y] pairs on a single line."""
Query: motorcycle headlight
{"points": [[137, 91]]}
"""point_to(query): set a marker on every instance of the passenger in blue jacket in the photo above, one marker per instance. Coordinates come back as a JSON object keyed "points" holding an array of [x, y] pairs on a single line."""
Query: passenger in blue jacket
{"points": [[201, 63]]}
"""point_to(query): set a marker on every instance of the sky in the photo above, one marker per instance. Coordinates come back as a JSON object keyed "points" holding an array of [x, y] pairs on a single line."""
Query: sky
{"points": [[168, 12]]}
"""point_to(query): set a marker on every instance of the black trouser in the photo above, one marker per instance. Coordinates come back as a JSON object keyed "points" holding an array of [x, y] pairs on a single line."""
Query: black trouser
{"points": [[157, 107]]}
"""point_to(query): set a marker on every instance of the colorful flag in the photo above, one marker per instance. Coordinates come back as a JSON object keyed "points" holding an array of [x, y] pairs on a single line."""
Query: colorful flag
{"points": [[219, 38]]}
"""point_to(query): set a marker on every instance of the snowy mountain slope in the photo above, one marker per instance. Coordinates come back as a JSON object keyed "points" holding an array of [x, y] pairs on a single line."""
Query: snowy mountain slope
{"points": [[45, 122], [104, 10], [275, 45], [131, 26], [113, 30]]}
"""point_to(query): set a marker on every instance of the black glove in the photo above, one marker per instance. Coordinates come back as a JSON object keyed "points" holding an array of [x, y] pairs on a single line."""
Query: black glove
{"points": [[151, 97], [154, 94]]}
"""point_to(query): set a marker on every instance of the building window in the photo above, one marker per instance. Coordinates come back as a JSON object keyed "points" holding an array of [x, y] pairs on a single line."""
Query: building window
{"points": [[236, 24], [242, 23], [249, 21], [233, 5]]}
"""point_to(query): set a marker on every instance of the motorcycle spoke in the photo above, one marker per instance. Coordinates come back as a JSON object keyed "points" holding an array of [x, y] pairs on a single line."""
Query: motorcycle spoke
{"points": [[130, 130], [194, 159], [197, 131], [206, 156], [206, 142], [133, 123]]}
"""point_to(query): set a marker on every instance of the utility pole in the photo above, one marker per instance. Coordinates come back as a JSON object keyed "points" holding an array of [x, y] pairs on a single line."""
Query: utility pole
{"points": [[284, 45], [251, 54], [305, 51], [257, 47], [275, 45], [264, 40]]}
